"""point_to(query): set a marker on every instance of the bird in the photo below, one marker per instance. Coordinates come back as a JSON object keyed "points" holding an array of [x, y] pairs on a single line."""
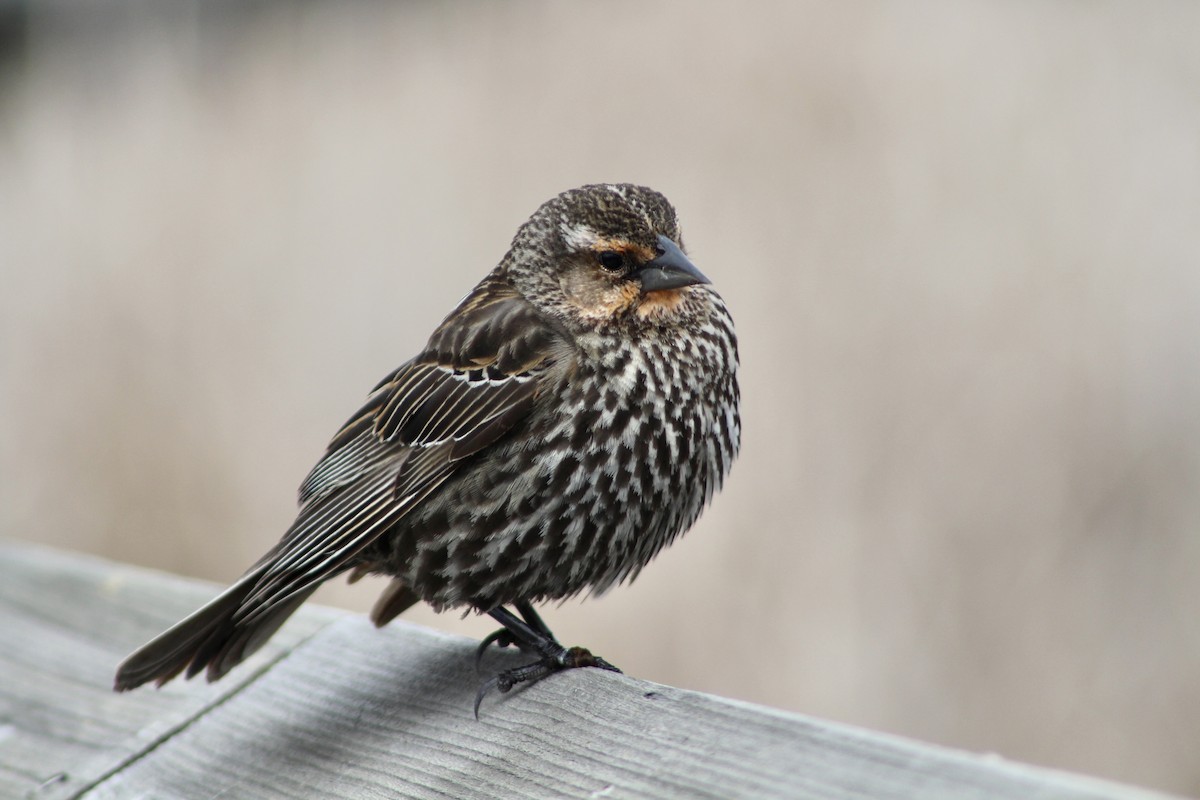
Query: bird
{"points": [[570, 418]]}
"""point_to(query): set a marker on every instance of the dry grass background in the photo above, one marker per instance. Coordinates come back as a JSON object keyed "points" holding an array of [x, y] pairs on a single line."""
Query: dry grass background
{"points": [[960, 241]]}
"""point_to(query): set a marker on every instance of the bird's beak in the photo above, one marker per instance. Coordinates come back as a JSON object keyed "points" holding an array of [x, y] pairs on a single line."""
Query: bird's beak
{"points": [[669, 270]]}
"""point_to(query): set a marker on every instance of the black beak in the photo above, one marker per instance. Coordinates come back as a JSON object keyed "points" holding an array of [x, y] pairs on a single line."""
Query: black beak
{"points": [[669, 270]]}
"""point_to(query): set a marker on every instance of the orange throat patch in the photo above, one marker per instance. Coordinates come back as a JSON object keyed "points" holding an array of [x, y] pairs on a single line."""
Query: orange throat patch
{"points": [[661, 303]]}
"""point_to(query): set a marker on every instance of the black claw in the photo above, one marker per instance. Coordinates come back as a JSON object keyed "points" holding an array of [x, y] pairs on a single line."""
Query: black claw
{"points": [[602, 664], [484, 688], [577, 657], [502, 638]]}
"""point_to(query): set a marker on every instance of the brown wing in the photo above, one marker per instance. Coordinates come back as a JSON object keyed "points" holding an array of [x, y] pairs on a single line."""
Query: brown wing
{"points": [[477, 377]]}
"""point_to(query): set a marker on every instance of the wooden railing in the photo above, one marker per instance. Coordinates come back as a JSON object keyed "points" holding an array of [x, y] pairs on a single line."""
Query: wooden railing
{"points": [[333, 708]]}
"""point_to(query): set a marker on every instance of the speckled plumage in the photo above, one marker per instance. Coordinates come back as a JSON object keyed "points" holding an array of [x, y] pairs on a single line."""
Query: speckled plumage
{"points": [[566, 422]]}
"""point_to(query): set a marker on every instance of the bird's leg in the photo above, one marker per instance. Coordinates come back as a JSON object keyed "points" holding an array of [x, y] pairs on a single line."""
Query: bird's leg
{"points": [[525, 635], [533, 619], [504, 638]]}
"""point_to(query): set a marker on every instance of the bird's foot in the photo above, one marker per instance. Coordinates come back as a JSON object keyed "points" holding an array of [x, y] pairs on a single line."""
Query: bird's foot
{"points": [[501, 638], [568, 658], [534, 636], [531, 635], [551, 662]]}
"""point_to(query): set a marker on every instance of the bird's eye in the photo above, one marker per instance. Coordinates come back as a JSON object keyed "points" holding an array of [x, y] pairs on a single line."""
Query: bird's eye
{"points": [[612, 260]]}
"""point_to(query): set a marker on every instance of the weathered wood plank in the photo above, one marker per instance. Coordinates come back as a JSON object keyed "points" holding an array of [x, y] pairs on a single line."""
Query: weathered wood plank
{"points": [[354, 712], [65, 622], [337, 709]]}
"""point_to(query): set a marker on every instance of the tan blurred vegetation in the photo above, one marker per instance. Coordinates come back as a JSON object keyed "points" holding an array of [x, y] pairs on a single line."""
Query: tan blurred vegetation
{"points": [[960, 241]]}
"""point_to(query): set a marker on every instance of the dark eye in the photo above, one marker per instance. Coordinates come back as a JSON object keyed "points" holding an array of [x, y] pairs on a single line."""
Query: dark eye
{"points": [[611, 260]]}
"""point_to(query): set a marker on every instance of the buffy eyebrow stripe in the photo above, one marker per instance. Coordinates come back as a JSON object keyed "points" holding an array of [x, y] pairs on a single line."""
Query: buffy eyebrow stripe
{"points": [[637, 251]]}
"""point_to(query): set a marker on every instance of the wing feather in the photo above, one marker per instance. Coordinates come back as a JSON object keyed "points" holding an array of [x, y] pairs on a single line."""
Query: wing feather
{"points": [[478, 377]]}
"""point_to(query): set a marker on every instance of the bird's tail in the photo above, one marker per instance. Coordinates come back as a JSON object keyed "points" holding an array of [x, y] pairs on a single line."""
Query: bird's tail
{"points": [[211, 639]]}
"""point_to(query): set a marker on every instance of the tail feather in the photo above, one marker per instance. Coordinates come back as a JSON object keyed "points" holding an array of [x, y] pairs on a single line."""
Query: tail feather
{"points": [[208, 639], [395, 600]]}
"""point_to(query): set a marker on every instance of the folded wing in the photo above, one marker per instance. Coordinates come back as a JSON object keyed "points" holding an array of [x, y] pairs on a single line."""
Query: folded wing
{"points": [[479, 375]]}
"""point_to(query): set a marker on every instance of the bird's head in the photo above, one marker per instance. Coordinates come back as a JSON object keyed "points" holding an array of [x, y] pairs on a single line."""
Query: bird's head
{"points": [[605, 253]]}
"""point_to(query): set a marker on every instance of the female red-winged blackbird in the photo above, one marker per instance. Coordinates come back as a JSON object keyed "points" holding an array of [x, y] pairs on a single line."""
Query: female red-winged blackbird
{"points": [[567, 421]]}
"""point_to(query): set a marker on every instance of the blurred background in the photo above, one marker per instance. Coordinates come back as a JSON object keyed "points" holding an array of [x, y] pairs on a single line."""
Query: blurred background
{"points": [[961, 241]]}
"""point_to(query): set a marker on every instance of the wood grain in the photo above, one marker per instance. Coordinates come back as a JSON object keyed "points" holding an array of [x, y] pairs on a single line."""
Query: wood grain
{"points": [[338, 709], [66, 621]]}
